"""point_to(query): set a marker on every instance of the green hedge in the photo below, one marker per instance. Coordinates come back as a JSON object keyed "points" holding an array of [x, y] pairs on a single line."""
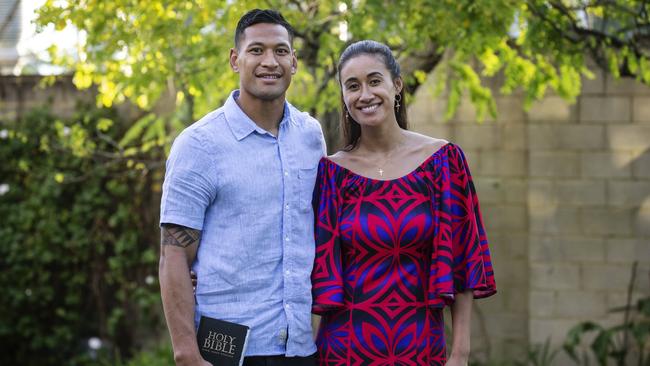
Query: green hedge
{"points": [[79, 248]]}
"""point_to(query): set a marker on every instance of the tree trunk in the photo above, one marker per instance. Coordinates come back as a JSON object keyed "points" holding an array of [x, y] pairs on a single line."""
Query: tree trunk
{"points": [[330, 122]]}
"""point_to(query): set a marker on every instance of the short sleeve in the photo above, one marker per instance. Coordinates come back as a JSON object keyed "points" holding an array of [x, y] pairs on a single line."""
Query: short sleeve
{"points": [[461, 257], [316, 131], [190, 182], [327, 276]]}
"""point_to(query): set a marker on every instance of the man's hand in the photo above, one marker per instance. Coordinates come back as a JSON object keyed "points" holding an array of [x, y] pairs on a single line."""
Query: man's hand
{"points": [[191, 361]]}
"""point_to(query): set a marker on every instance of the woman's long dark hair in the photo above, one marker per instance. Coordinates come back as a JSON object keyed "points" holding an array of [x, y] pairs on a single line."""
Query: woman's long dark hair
{"points": [[350, 128]]}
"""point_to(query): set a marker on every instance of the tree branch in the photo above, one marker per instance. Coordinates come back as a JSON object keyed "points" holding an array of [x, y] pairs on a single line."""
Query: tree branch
{"points": [[595, 41], [424, 61]]}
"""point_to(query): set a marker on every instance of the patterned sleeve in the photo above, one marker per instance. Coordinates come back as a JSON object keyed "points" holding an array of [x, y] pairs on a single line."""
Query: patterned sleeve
{"points": [[461, 259], [327, 276]]}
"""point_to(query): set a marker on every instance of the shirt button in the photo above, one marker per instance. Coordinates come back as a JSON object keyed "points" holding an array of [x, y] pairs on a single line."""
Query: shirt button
{"points": [[286, 238], [287, 306], [287, 272], [286, 174], [286, 206]]}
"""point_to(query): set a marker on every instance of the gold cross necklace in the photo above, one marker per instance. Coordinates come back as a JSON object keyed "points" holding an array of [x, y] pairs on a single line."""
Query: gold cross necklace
{"points": [[388, 158]]}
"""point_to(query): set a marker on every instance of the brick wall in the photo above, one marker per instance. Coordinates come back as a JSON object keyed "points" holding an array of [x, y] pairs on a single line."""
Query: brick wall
{"points": [[565, 194]]}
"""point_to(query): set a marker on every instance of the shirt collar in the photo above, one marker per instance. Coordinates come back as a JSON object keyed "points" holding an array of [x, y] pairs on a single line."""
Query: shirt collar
{"points": [[240, 124]]}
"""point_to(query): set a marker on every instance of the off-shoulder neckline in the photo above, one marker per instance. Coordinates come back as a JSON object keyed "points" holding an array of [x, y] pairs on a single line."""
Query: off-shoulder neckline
{"points": [[423, 163]]}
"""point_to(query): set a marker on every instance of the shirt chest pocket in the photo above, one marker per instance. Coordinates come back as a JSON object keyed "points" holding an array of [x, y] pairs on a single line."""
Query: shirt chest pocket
{"points": [[306, 181]]}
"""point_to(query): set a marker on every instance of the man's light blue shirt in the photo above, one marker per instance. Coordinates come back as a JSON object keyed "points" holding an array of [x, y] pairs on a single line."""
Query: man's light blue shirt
{"points": [[250, 193]]}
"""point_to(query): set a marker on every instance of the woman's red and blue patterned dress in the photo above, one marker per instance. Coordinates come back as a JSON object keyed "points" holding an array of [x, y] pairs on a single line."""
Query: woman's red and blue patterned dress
{"points": [[390, 254]]}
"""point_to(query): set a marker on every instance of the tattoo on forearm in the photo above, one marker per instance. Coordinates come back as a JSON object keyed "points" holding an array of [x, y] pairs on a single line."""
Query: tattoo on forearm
{"points": [[179, 236]]}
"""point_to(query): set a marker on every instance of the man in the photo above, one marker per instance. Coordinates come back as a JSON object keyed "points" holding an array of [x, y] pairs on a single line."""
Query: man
{"points": [[236, 206]]}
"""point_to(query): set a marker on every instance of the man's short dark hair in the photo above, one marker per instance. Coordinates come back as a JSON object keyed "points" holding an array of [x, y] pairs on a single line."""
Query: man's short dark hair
{"points": [[257, 16]]}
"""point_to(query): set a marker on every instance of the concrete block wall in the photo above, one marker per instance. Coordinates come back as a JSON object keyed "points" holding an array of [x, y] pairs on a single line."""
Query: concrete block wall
{"points": [[18, 95], [565, 194], [588, 201], [559, 197], [497, 153]]}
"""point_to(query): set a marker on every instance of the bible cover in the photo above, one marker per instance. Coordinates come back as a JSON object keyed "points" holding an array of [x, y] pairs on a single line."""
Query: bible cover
{"points": [[222, 343]]}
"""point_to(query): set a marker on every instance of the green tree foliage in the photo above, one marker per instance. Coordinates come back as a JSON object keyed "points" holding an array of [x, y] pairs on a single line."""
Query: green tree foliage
{"points": [[142, 50], [78, 259]]}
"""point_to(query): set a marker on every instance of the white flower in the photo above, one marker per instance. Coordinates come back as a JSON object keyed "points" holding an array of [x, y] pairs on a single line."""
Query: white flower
{"points": [[28, 292], [4, 188], [66, 131], [149, 280], [4, 134], [94, 343]]}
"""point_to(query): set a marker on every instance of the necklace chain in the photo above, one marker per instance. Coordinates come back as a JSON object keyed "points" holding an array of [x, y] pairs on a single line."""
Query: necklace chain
{"points": [[388, 158]]}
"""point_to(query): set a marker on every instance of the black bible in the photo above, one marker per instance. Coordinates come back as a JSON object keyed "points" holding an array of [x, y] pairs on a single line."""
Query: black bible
{"points": [[222, 343]]}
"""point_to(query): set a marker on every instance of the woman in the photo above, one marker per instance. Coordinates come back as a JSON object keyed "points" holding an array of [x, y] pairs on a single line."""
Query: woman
{"points": [[398, 230]]}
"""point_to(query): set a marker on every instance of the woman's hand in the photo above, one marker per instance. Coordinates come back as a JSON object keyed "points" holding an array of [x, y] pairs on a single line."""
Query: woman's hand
{"points": [[194, 280], [461, 313], [456, 361], [315, 324]]}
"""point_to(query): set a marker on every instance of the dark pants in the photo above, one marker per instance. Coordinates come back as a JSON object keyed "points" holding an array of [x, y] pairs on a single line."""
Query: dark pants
{"points": [[280, 361]]}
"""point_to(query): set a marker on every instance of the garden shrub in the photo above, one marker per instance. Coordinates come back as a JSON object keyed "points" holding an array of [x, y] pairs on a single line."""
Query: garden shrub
{"points": [[79, 248]]}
